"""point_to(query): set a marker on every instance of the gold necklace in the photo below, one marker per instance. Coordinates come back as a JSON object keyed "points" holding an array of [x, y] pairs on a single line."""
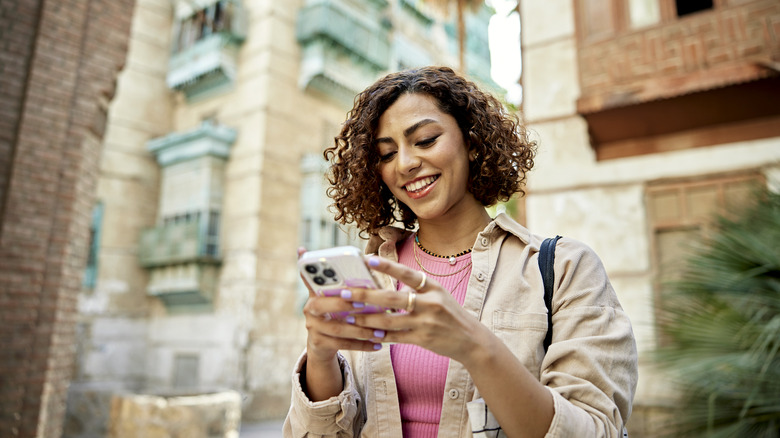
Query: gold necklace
{"points": [[450, 258], [467, 274], [419, 263]]}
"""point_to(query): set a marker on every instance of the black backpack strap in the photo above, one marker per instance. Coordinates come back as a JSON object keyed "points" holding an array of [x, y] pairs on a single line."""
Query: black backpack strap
{"points": [[546, 266]]}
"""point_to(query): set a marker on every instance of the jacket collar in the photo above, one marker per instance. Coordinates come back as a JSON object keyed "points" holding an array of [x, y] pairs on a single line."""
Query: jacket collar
{"points": [[384, 242]]}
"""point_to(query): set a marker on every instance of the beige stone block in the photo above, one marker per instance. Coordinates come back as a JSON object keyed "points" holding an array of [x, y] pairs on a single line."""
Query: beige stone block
{"points": [[115, 357], [545, 21], [560, 143], [209, 415], [279, 231], [252, 61], [244, 164], [237, 295], [250, 142], [124, 164], [242, 194], [123, 135], [635, 293], [148, 57], [121, 284], [550, 82], [280, 265], [189, 329], [143, 99], [152, 22], [251, 96], [123, 223], [239, 232], [238, 266], [612, 220], [293, 135]]}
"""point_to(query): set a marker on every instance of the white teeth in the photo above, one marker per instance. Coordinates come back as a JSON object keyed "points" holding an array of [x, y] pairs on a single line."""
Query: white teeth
{"points": [[419, 184]]}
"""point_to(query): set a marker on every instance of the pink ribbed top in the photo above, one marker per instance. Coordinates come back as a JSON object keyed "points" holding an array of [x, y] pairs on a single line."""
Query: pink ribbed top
{"points": [[420, 375]]}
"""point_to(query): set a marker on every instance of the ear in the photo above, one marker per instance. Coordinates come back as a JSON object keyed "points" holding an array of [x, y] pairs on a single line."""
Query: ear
{"points": [[473, 155]]}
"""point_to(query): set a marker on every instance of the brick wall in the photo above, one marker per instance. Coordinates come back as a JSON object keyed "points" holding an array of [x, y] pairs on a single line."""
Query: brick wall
{"points": [[59, 60], [700, 51]]}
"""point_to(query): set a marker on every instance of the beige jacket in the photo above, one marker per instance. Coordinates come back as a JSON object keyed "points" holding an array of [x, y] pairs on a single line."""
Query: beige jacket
{"points": [[590, 367]]}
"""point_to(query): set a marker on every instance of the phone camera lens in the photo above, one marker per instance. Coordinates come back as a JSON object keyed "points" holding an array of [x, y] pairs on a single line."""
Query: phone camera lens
{"points": [[319, 280], [329, 272], [311, 269]]}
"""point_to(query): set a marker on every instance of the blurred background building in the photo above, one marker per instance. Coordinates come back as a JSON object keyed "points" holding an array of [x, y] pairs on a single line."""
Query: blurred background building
{"points": [[160, 163], [211, 176], [652, 115]]}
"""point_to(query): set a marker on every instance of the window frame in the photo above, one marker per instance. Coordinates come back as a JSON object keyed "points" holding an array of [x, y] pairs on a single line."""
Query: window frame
{"points": [[686, 222]]}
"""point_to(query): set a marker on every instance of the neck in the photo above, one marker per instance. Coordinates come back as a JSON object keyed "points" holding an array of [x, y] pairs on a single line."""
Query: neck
{"points": [[452, 235]]}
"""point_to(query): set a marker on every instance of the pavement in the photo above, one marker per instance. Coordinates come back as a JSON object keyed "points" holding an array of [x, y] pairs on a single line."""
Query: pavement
{"points": [[264, 429]]}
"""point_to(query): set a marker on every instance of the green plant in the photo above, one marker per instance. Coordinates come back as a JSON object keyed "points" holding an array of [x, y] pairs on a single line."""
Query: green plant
{"points": [[721, 324]]}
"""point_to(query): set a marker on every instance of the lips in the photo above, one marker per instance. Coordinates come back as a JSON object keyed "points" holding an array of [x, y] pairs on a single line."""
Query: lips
{"points": [[419, 185]]}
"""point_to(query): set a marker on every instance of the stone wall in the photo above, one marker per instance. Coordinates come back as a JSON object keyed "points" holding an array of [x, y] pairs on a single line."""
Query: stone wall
{"points": [[59, 65]]}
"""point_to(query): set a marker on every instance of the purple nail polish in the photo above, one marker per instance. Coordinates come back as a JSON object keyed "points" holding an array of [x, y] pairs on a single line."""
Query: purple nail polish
{"points": [[373, 261], [346, 293], [377, 346], [350, 320], [379, 334], [358, 305]]}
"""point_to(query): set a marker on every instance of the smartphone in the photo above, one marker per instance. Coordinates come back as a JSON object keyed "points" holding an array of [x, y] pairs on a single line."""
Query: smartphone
{"points": [[328, 271]]}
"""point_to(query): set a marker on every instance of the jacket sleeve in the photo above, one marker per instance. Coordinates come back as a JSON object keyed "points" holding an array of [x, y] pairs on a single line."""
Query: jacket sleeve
{"points": [[591, 365], [340, 416]]}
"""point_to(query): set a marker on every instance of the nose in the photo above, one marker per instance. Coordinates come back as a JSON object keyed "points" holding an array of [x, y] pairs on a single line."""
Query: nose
{"points": [[408, 160]]}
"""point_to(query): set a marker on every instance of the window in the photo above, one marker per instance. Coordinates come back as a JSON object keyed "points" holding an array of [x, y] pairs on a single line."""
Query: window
{"points": [[90, 273], [605, 18], [186, 371], [212, 19], [685, 7], [681, 213]]}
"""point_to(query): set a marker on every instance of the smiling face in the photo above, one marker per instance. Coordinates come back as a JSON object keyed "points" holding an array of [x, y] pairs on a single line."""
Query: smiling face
{"points": [[423, 157]]}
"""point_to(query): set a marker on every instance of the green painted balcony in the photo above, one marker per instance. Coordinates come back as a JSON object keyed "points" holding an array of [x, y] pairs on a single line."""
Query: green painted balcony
{"points": [[176, 243], [343, 49], [205, 49]]}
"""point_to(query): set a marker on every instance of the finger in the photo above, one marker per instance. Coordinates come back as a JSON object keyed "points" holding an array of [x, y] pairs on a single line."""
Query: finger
{"points": [[377, 300], [327, 342], [346, 330], [415, 279]]}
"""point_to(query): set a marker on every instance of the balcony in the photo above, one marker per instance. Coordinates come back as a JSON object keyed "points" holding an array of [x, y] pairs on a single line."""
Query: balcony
{"points": [[342, 52], [205, 51], [192, 241], [183, 260], [696, 80]]}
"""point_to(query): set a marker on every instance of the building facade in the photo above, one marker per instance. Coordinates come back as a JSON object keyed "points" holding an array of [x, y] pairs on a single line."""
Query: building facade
{"points": [[650, 115], [211, 177]]}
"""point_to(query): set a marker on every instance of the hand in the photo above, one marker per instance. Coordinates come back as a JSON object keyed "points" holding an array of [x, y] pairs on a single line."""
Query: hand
{"points": [[437, 322], [327, 335]]}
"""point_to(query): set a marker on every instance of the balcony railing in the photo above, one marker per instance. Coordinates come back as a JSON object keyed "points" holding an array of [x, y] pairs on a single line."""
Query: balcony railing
{"points": [[205, 48], [181, 241]]}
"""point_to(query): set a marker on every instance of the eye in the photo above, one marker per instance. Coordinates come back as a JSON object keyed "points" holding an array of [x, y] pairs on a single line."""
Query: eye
{"points": [[387, 156], [428, 141]]}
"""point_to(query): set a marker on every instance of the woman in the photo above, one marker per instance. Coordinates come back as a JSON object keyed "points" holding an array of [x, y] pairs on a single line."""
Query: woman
{"points": [[427, 150]]}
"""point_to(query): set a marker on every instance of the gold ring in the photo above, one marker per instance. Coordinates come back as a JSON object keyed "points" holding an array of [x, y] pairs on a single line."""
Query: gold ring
{"points": [[410, 303], [422, 283]]}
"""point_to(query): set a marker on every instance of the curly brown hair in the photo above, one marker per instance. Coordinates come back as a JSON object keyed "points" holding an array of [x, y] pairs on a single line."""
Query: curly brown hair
{"points": [[501, 143]]}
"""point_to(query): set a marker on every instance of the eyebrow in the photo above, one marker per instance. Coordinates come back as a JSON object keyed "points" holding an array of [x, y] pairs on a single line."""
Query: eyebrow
{"points": [[408, 131]]}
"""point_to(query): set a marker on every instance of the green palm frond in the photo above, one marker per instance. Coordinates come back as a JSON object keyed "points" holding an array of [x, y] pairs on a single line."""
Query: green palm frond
{"points": [[721, 321]]}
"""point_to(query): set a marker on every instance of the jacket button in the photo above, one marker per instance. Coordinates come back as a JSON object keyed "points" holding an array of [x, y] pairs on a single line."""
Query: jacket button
{"points": [[484, 241], [480, 276], [454, 394]]}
